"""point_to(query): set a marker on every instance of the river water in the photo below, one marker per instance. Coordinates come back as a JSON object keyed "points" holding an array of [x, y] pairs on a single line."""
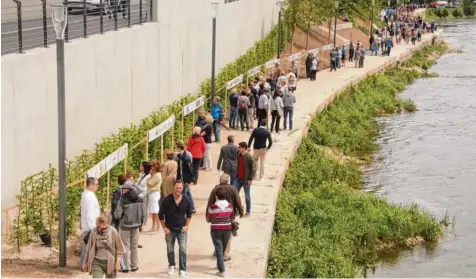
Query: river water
{"points": [[429, 158]]}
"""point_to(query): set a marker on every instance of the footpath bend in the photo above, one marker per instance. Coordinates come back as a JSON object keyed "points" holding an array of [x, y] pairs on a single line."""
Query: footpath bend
{"points": [[249, 250]]}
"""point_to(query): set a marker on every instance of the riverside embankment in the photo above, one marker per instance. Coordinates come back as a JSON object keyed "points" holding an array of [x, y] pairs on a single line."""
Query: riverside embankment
{"points": [[250, 249]]}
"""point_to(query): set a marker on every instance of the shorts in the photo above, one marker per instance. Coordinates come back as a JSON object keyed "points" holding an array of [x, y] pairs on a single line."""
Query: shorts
{"points": [[153, 202], [343, 57]]}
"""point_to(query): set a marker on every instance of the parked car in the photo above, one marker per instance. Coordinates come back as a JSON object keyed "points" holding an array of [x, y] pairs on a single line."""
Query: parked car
{"points": [[107, 5]]}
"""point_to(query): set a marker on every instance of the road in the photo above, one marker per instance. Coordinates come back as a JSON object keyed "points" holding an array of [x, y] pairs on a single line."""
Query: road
{"points": [[33, 33]]}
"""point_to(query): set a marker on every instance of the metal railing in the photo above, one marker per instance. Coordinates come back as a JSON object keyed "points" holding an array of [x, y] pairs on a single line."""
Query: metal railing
{"points": [[27, 24]]}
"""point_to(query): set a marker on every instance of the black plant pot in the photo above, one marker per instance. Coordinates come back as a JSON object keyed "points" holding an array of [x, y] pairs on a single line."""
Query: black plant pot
{"points": [[46, 239]]}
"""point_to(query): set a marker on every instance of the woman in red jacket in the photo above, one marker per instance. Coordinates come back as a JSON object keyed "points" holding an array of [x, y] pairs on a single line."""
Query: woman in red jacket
{"points": [[196, 145]]}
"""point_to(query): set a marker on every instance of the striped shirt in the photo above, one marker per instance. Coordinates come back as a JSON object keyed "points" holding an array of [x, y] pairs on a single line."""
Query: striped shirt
{"points": [[219, 218]]}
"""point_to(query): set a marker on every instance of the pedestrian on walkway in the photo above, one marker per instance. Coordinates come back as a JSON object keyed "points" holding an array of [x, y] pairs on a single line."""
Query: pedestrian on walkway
{"points": [[245, 172], [243, 105], [201, 119], [233, 109], [309, 59], [262, 112], [227, 159], [206, 133], [344, 52], [252, 106], [116, 196], [295, 69], [351, 52], [276, 106], [185, 170], [89, 212], [104, 250], [313, 68], [220, 214], [232, 197], [389, 45], [153, 193], [333, 59], [292, 81], [362, 57], [169, 174], [260, 135], [218, 116], [131, 214], [288, 102], [175, 216], [197, 147], [338, 57], [144, 176]]}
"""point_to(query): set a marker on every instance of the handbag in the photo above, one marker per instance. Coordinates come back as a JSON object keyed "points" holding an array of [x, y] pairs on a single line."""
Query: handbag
{"points": [[235, 226]]}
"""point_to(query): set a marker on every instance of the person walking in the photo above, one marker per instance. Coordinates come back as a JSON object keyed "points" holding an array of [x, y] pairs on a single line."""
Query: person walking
{"points": [[197, 147], [233, 197], [89, 213], [251, 107], [104, 250], [218, 116], [227, 159], [260, 135], [357, 56], [289, 99], [220, 215], [175, 216], [185, 170], [132, 216], [262, 112], [243, 105], [169, 174], [153, 193], [389, 45], [233, 109], [245, 172], [344, 54], [276, 106], [206, 133], [338, 56], [362, 57], [309, 59], [314, 68], [351, 52]]}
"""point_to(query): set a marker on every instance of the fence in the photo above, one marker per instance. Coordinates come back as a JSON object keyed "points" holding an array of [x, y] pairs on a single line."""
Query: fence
{"points": [[38, 197], [27, 25]]}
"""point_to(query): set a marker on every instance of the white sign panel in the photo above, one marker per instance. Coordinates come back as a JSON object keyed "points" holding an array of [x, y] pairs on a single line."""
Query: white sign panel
{"points": [[271, 63], [109, 162], [193, 105], [295, 56], [254, 71], [160, 129], [313, 51], [232, 83], [347, 42]]}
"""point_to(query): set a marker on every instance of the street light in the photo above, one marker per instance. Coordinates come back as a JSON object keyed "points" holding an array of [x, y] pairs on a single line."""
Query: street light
{"points": [[280, 3], [60, 21], [214, 31], [372, 18], [336, 5]]}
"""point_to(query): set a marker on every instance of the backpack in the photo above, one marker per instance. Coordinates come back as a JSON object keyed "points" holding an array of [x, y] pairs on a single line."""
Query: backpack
{"points": [[242, 105]]}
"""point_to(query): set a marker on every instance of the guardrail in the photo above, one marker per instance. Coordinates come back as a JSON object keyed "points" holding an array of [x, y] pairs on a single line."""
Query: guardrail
{"points": [[27, 24]]}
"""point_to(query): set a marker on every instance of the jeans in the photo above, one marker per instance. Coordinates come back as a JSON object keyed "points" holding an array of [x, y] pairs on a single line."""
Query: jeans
{"points": [[220, 241], [351, 55], [125, 8], [196, 167], [83, 254], [244, 118], [242, 183], [288, 111], [188, 194], [182, 242], [262, 114], [361, 62], [217, 130], [207, 157], [276, 118], [333, 65], [130, 239], [251, 113], [233, 114], [388, 51], [99, 269]]}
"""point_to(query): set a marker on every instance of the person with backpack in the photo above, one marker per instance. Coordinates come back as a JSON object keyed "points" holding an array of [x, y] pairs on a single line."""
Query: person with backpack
{"points": [[185, 170], [243, 104], [197, 147], [130, 213]]}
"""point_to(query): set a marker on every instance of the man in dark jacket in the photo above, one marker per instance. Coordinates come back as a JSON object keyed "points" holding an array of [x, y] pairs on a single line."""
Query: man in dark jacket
{"points": [[232, 197], [201, 121], [227, 159], [309, 59], [245, 171], [185, 171]]}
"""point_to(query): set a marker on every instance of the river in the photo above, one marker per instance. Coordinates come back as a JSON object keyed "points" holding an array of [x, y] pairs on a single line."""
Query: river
{"points": [[429, 158]]}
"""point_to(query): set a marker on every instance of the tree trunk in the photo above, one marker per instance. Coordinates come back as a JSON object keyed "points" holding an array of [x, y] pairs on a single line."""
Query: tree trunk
{"points": [[292, 38], [307, 35], [329, 25]]}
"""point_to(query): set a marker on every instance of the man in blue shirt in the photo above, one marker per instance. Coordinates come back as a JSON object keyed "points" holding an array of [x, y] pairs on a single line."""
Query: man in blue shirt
{"points": [[217, 114]]}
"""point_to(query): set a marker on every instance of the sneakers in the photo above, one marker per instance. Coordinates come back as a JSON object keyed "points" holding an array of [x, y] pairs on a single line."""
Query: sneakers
{"points": [[247, 214], [221, 274], [183, 274], [171, 270]]}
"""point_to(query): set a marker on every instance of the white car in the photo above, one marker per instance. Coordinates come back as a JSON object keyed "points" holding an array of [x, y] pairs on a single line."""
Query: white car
{"points": [[107, 5]]}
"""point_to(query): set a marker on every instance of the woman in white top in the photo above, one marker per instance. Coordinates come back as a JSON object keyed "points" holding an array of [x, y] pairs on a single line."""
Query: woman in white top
{"points": [[277, 106], [153, 193], [142, 182]]}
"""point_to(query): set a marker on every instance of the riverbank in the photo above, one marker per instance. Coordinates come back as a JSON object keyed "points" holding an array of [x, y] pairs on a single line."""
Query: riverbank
{"points": [[324, 227]]}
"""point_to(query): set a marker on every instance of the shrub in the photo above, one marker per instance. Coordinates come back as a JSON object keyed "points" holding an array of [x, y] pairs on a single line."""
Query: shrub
{"points": [[457, 12], [469, 11], [445, 13]]}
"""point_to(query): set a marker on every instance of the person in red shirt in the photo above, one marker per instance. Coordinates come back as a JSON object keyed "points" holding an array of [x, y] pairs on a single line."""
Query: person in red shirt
{"points": [[196, 145], [245, 171]]}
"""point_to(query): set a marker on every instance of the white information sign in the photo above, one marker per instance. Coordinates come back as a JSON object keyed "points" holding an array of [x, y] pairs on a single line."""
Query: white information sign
{"points": [[232, 83], [160, 129], [271, 63], [346, 42], [254, 71], [295, 56], [313, 51], [193, 105], [109, 162]]}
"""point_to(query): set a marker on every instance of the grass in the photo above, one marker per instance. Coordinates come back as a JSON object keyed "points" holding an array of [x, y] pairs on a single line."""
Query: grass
{"points": [[325, 226]]}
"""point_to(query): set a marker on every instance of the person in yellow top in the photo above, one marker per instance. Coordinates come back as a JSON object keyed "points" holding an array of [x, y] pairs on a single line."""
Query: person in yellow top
{"points": [[153, 193]]}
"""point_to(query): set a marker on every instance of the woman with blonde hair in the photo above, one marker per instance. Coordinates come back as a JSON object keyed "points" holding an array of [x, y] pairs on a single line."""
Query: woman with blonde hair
{"points": [[153, 193], [169, 172]]}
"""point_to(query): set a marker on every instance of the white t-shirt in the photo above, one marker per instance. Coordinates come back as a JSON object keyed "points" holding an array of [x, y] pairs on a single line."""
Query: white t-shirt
{"points": [[89, 210], [314, 65]]}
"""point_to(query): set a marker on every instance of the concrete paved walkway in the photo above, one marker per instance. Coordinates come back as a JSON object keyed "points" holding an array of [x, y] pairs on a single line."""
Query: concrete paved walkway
{"points": [[250, 249]]}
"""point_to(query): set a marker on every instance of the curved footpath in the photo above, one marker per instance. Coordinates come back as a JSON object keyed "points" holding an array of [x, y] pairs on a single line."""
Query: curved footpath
{"points": [[250, 249]]}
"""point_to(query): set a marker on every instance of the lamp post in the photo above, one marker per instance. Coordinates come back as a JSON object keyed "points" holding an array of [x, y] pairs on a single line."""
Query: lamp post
{"points": [[372, 18], [214, 31], [280, 3], [336, 5], [60, 21]]}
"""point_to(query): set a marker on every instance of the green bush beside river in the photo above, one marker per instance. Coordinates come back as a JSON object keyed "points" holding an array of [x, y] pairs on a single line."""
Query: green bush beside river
{"points": [[325, 226]]}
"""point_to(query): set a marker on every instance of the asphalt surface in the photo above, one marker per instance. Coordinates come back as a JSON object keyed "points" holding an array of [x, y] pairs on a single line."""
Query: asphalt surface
{"points": [[34, 36]]}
